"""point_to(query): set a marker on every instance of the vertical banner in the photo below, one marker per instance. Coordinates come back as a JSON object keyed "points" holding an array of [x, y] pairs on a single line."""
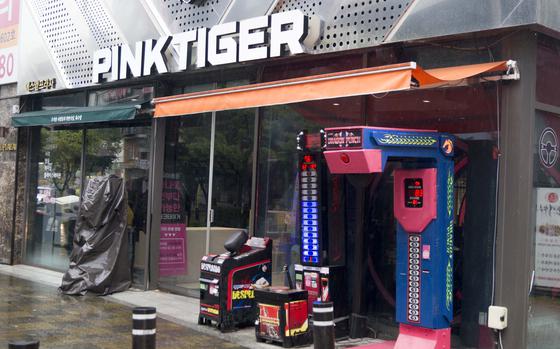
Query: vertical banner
{"points": [[9, 34], [173, 230], [547, 240]]}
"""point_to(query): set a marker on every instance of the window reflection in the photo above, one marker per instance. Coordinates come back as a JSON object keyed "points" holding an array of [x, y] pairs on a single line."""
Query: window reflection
{"points": [[548, 71], [468, 112], [186, 196], [124, 152], [121, 95], [57, 178], [544, 311], [63, 101], [233, 164], [184, 202], [54, 207], [277, 169]]}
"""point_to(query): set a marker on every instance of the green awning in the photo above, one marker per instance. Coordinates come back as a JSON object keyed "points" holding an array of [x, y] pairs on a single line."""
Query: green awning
{"points": [[76, 115]]}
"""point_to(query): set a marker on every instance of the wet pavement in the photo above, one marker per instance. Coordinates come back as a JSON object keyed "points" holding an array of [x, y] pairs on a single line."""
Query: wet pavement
{"points": [[30, 310]]}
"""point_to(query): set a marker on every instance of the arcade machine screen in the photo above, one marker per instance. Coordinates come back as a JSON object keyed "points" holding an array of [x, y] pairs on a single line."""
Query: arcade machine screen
{"points": [[414, 192], [310, 210]]}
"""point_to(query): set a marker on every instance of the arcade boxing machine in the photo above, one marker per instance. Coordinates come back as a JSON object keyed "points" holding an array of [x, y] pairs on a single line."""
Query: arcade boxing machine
{"points": [[320, 221], [423, 208]]}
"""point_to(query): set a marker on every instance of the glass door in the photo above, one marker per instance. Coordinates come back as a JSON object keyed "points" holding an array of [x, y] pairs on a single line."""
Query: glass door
{"points": [[54, 197], [206, 191], [125, 152], [231, 179], [184, 207]]}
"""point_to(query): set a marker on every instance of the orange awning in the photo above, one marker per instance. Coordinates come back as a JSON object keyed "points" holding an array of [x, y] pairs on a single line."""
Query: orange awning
{"points": [[357, 82]]}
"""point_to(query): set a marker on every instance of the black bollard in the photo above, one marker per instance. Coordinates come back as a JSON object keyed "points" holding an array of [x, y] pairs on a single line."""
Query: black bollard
{"points": [[323, 325], [144, 328], [23, 345]]}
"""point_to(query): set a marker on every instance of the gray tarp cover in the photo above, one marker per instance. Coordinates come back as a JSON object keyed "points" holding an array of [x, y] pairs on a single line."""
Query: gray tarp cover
{"points": [[99, 260]]}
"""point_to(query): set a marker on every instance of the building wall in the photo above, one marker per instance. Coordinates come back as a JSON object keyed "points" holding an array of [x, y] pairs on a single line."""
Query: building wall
{"points": [[19, 178], [8, 140], [515, 206]]}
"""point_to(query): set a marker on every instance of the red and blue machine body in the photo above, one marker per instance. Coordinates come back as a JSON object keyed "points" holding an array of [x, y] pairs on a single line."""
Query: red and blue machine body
{"points": [[228, 280], [423, 208]]}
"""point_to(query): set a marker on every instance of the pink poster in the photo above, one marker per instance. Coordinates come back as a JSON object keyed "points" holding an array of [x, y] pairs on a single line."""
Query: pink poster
{"points": [[173, 232], [172, 250]]}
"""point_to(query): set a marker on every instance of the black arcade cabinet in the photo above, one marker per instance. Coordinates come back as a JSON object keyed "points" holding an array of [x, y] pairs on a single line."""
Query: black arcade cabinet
{"points": [[228, 280], [321, 226]]}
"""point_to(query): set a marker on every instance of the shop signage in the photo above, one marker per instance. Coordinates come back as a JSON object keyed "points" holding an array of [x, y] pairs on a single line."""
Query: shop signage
{"points": [[547, 238], [63, 119], [45, 84], [344, 138], [548, 147], [8, 147], [251, 39]]}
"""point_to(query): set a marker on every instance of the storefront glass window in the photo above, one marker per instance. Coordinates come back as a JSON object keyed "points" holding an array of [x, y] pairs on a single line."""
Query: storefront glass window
{"points": [[54, 197], [186, 233], [64, 101], [232, 177], [121, 95], [544, 302], [544, 310], [57, 180], [184, 201], [548, 71], [125, 152], [470, 113], [277, 169]]}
